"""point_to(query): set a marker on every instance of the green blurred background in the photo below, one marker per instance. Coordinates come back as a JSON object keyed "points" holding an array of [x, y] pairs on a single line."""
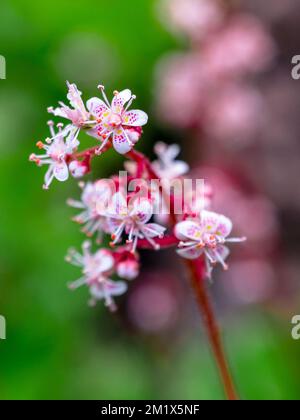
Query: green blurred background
{"points": [[57, 347]]}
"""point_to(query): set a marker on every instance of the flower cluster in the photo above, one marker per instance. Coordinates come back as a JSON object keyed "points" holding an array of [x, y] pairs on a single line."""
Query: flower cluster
{"points": [[111, 124], [124, 207]]}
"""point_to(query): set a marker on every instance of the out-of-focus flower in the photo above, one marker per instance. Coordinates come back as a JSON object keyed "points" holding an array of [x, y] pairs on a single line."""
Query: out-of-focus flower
{"points": [[95, 199], [61, 145], [250, 281], [242, 46], [206, 236], [181, 89], [196, 18], [234, 114], [167, 167], [96, 268], [133, 219], [113, 120], [154, 303]]}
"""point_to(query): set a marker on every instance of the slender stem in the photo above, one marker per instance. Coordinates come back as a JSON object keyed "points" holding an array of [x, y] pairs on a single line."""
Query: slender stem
{"points": [[213, 332]]}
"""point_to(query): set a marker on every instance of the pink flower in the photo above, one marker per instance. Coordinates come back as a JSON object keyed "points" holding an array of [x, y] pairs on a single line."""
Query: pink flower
{"points": [[206, 236], [128, 268], [196, 18], [96, 269], [114, 120], [234, 114], [181, 89], [78, 168], [242, 46], [132, 219], [58, 148]]}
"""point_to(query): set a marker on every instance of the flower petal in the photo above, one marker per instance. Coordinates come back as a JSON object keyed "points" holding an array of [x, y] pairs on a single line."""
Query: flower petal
{"points": [[191, 253], [141, 209], [108, 288], [120, 100], [135, 118], [116, 288], [188, 230], [61, 171], [117, 206], [216, 223], [121, 142], [96, 107], [105, 260], [74, 96]]}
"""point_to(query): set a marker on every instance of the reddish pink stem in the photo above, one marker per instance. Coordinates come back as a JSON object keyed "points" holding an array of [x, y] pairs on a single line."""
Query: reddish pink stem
{"points": [[196, 269], [164, 243]]}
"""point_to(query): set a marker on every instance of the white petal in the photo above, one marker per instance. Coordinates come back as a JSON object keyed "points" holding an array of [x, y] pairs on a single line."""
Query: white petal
{"points": [[105, 260], [141, 209], [188, 230], [60, 112], [115, 288], [190, 254], [117, 206], [216, 223], [172, 152], [120, 100], [121, 142], [61, 171], [96, 107], [135, 118]]}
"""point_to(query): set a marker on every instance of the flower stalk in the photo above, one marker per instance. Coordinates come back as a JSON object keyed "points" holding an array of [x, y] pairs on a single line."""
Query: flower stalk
{"points": [[195, 269]]}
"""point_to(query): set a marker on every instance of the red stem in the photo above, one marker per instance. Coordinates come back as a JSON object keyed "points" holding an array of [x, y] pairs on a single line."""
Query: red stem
{"points": [[196, 269], [164, 243]]}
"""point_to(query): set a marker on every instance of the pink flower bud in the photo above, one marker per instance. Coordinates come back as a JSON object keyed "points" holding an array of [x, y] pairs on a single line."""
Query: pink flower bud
{"points": [[78, 169], [128, 269]]}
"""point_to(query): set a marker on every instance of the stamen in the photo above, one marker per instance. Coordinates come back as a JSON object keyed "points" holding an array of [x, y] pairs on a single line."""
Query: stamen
{"points": [[102, 88], [78, 283], [133, 98]]}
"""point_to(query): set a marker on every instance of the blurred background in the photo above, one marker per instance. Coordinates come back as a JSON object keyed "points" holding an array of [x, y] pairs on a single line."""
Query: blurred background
{"points": [[214, 76]]}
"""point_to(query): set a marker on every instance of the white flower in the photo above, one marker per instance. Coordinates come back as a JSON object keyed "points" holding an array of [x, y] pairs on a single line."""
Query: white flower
{"points": [[94, 197], [133, 220], [206, 236], [166, 166], [77, 113], [58, 149], [96, 269], [114, 119]]}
